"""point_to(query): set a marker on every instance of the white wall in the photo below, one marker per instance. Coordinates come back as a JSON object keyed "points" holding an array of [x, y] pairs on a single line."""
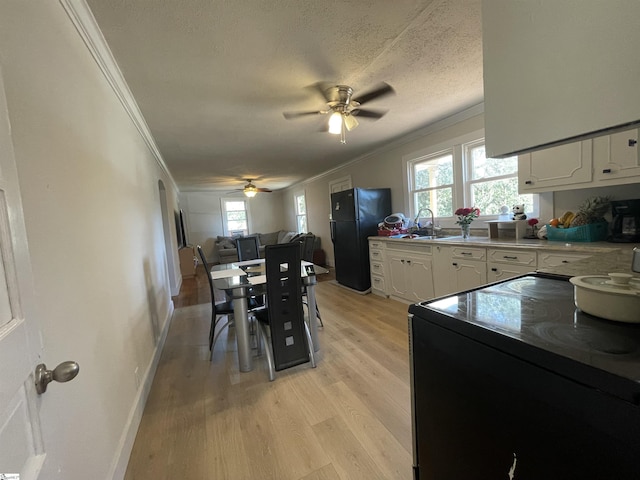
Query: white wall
{"points": [[204, 217], [91, 203], [571, 199]]}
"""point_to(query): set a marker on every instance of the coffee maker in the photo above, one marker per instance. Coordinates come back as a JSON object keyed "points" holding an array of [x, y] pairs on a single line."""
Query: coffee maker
{"points": [[626, 221]]}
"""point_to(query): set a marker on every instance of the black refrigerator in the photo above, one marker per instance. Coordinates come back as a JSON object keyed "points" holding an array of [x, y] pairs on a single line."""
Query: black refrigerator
{"points": [[355, 215]]}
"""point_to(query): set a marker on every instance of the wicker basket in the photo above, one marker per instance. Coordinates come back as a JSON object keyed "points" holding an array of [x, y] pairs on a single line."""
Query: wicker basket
{"points": [[593, 232]]}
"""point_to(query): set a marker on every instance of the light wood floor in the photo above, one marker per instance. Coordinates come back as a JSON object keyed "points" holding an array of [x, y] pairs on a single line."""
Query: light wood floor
{"points": [[347, 419]]}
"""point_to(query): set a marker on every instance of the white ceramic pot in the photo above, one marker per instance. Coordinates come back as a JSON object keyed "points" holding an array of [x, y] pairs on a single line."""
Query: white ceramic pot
{"points": [[615, 297]]}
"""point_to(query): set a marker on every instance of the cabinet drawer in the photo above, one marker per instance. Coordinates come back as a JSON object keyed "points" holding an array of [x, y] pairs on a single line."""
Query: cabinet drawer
{"points": [[499, 271], [376, 244], [513, 257], [548, 259], [377, 268], [471, 253], [377, 285], [375, 254]]}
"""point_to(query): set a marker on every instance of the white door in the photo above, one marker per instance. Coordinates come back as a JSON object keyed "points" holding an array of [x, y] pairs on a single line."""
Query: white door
{"points": [[21, 445], [340, 184]]}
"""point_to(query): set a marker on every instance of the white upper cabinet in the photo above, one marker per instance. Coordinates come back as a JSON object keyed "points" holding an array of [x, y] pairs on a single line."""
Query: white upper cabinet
{"points": [[557, 168], [558, 71], [616, 158]]}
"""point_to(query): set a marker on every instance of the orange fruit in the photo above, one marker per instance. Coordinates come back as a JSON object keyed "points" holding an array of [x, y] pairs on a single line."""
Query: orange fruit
{"points": [[554, 222]]}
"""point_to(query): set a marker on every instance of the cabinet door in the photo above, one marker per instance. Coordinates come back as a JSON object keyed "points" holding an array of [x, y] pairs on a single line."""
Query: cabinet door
{"points": [[616, 158], [443, 279], [497, 271], [558, 168], [469, 274], [398, 282], [420, 278]]}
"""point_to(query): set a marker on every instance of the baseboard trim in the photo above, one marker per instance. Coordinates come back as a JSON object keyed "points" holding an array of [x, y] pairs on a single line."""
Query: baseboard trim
{"points": [[125, 445], [363, 292]]}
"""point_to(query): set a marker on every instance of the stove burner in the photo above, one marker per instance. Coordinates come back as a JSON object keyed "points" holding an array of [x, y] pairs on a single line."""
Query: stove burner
{"points": [[535, 288], [585, 337]]}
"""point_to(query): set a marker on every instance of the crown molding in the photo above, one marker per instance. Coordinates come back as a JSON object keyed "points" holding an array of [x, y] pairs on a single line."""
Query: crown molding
{"points": [[85, 23]]}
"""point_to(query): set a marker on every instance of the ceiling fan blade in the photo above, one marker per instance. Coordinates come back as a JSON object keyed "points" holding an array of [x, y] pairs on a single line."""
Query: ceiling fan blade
{"points": [[291, 115], [264, 190], [362, 113], [350, 122], [381, 91]]}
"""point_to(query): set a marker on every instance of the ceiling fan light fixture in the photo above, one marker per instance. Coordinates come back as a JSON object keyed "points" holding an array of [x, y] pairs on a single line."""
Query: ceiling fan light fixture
{"points": [[335, 123], [250, 191]]}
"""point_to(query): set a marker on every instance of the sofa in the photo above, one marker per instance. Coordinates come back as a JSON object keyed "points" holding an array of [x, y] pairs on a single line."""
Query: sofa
{"points": [[226, 246]]}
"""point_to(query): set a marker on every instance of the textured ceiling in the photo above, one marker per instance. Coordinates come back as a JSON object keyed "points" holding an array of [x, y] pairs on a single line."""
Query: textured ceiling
{"points": [[213, 77]]}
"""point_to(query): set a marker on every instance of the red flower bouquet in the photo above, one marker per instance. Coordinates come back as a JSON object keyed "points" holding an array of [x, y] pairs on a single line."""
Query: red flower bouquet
{"points": [[467, 215]]}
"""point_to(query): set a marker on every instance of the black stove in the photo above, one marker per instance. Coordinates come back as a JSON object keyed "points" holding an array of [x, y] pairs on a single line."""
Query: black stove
{"points": [[513, 371], [538, 312]]}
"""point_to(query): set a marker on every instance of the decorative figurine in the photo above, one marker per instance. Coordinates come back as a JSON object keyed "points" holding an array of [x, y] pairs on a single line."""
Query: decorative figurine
{"points": [[518, 212]]}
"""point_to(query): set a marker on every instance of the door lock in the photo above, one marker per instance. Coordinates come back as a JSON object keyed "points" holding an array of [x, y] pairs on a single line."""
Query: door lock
{"points": [[62, 373]]}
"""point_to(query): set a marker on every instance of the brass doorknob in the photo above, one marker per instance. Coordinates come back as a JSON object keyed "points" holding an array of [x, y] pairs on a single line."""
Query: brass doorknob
{"points": [[62, 373]]}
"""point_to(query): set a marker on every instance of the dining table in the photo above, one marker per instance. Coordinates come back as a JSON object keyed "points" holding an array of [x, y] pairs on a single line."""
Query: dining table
{"points": [[243, 279]]}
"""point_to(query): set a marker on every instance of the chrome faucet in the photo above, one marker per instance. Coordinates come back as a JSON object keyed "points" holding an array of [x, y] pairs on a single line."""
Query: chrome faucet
{"points": [[433, 222]]}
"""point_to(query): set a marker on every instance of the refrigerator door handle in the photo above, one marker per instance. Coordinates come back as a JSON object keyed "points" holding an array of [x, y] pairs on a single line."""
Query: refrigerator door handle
{"points": [[333, 231]]}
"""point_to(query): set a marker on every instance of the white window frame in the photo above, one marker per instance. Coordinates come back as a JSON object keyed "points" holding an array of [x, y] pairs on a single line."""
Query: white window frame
{"points": [[458, 148], [469, 182], [225, 227], [298, 214]]}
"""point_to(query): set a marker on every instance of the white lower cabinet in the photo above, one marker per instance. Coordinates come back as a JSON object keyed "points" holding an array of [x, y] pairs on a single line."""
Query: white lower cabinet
{"points": [[505, 264], [498, 271], [410, 272], [458, 268], [377, 267], [554, 259], [415, 272]]}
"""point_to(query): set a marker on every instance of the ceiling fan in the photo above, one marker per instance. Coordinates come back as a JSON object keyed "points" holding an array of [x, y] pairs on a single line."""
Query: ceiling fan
{"points": [[250, 190], [344, 108]]}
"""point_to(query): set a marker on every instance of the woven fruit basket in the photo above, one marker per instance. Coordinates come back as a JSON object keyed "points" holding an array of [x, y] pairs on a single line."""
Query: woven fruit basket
{"points": [[594, 232]]}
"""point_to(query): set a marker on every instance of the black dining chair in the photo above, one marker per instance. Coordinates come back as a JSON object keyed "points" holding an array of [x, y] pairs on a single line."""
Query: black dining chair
{"points": [[281, 325], [307, 245], [248, 248], [217, 309]]}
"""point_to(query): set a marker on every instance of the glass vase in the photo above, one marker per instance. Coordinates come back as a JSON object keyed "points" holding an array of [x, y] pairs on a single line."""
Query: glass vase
{"points": [[466, 230]]}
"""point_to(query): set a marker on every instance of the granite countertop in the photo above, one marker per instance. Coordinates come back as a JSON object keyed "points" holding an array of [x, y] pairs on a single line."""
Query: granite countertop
{"points": [[616, 261], [524, 243], [605, 257]]}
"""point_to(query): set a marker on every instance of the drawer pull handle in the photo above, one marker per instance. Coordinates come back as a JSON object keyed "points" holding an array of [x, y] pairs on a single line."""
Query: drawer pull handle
{"points": [[606, 170], [454, 264], [565, 261], [528, 182], [466, 253], [494, 269], [632, 142], [509, 257], [409, 262]]}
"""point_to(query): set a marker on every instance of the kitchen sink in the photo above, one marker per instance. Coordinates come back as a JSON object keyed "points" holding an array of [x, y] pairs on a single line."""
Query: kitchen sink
{"points": [[409, 236]]}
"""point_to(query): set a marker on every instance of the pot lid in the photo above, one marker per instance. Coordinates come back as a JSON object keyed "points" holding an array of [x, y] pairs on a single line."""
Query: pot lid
{"points": [[394, 218], [614, 283]]}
